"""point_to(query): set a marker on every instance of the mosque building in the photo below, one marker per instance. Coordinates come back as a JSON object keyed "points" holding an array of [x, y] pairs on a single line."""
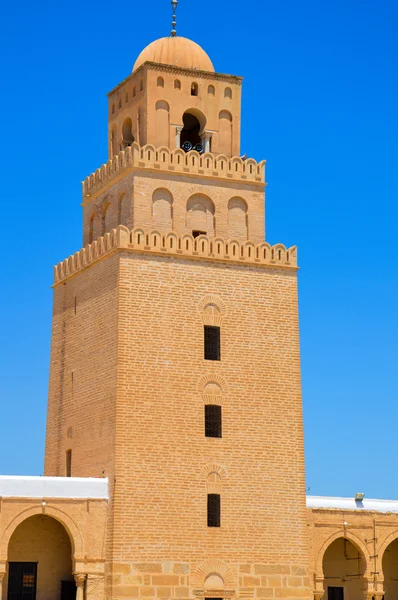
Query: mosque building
{"points": [[174, 463]]}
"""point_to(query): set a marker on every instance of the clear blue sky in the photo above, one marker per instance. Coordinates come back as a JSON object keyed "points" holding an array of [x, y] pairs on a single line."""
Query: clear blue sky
{"points": [[320, 102]]}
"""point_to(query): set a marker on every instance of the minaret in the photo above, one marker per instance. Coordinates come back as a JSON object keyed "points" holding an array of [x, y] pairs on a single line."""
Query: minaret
{"points": [[175, 367]]}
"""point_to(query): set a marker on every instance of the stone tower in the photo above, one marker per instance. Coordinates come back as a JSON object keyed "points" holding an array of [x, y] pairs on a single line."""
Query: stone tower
{"points": [[175, 367]]}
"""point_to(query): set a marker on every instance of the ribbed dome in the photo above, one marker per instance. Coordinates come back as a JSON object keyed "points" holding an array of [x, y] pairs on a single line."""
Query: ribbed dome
{"points": [[177, 51]]}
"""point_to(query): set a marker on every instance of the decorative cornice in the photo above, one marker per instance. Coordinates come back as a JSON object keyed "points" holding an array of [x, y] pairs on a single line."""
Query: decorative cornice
{"points": [[197, 73], [149, 65], [177, 246], [174, 161]]}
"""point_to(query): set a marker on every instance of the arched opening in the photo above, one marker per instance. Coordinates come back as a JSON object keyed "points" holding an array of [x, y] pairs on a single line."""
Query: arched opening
{"points": [[162, 202], [343, 570], [40, 561], [211, 90], [194, 123], [194, 89], [160, 82], [228, 93], [162, 123], [225, 133], [177, 84], [113, 108], [127, 133], [200, 215], [390, 571], [237, 219]]}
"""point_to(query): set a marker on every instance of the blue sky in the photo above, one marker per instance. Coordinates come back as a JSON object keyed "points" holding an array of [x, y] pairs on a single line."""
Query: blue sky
{"points": [[320, 101]]}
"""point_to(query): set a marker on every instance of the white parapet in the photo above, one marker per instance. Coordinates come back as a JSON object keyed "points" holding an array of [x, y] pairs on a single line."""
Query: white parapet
{"points": [[52, 487], [370, 504]]}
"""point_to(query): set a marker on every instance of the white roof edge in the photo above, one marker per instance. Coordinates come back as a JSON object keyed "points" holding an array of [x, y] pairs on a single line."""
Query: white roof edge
{"points": [[370, 504], [21, 486]]}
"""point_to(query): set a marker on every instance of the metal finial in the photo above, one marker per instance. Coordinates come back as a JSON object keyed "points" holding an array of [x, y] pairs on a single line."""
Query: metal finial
{"points": [[174, 4]]}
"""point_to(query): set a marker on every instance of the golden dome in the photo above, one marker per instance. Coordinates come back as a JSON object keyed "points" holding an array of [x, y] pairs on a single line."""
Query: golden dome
{"points": [[176, 51]]}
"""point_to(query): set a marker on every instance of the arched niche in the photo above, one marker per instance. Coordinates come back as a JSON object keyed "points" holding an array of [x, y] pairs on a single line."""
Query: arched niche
{"points": [[211, 314], [162, 123], [212, 389], [200, 215], [162, 210], [214, 581], [110, 215], [237, 219], [114, 148], [225, 133]]}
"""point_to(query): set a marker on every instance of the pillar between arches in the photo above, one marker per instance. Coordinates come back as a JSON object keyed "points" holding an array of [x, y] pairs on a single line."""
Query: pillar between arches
{"points": [[80, 579], [2, 574], [373, 590], [319, 590]]}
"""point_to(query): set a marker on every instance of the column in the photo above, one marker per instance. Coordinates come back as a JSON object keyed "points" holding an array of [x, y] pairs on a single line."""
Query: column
{"points": [[206, 138], [2, 574], [178, 136], [80, 579]]}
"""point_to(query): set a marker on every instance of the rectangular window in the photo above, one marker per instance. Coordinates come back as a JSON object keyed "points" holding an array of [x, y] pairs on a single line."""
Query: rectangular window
{"points": [[69, 463], [213, 421], [335, 593], [212, 343], [213, 510]]}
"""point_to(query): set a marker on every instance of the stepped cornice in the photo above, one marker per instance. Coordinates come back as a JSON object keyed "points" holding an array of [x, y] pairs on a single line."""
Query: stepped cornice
{"points": [[176, 161], [177, 246]]}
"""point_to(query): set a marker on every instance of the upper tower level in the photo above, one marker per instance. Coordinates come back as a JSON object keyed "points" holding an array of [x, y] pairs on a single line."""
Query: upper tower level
{"points": [[174, 96], [174, 152]]}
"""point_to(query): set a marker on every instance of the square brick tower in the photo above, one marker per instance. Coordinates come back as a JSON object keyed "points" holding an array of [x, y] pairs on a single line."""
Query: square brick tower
{"points": [[175, 367]]}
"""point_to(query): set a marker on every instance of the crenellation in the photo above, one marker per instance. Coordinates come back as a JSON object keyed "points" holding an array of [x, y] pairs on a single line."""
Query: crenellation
{"points": [[173, 161], [137, 240]]}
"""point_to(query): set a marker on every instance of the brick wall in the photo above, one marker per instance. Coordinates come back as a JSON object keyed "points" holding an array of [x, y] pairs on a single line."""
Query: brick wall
{"points": [[81, 405], [158, 540]]}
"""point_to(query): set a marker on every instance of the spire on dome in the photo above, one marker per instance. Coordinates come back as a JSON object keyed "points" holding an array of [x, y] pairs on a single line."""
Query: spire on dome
{"points": [[174, 4]]}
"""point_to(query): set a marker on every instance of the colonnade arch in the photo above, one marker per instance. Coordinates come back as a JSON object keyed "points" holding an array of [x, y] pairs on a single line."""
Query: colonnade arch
{"points": [[39, 552], [354, 567], [389, 566], [342, 568]]}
